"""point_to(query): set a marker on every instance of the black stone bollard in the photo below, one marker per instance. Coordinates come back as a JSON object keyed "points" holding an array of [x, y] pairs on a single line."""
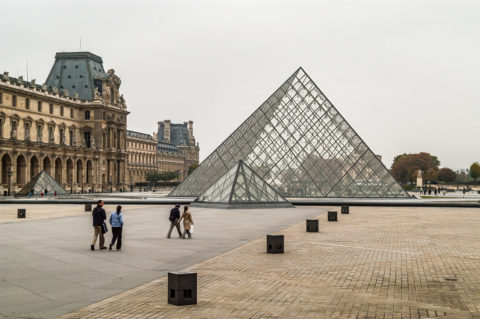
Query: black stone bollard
{"points": [[275, 244], [345, 209], [88, 207], [332, 216], [182, 288], [312, 225], [21, 213]]}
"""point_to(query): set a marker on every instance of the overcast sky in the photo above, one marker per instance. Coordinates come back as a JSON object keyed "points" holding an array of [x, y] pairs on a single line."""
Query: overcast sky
{"points": [[405, 74]]}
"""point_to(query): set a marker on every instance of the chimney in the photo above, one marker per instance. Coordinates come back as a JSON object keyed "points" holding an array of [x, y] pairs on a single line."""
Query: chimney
{"points": [[190, 133], [166, 135]]}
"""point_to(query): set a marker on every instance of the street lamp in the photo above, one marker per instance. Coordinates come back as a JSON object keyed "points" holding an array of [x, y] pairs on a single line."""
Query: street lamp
{"points": [[131, 184], [111, 184], [9, 174]]}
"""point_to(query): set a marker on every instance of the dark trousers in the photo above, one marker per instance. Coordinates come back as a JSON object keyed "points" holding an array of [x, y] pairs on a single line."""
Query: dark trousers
{"points": [[117, 236]]}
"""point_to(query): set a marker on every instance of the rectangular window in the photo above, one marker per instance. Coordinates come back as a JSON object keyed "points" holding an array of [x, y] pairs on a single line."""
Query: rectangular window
{"points": [[86, 138], [70, 134], [39, 106], [51, 108], [50, 135], [27, 103], [39, 133], [62, 137], [14, 100], [1, 98], [61, 110], [71, 113], [87, 114]]}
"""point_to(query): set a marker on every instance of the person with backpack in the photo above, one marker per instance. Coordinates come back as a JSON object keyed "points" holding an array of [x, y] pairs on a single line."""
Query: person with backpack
{"points": [[187, 222], [116, 221], [174, 221]]}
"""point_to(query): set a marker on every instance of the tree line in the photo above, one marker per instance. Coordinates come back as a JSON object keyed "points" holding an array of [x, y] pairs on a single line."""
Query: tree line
{"points": [[405, 169]]}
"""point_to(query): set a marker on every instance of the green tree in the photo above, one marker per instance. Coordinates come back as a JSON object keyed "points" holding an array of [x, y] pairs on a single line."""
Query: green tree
{"points": [[191, 168], [446, 175], [475, 171], [405, 167], [168, 176], [153, 176]]}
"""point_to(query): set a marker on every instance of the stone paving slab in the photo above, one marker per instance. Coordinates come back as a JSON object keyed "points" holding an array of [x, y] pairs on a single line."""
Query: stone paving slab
{"points": [[47, 268], [372, 263]]}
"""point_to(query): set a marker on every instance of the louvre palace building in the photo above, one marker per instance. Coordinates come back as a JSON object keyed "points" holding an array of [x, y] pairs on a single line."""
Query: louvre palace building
{"points": [[73, 126]]}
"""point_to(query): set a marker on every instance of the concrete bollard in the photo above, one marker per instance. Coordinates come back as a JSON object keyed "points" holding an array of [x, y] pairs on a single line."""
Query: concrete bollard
{"points": [[182, 288], [275, 244], [332, 216], [312, 225], [21, 213]]}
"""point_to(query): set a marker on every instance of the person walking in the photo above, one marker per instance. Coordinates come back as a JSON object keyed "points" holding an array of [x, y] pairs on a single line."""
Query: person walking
{"points": [[99, 216], [116, 221], [174, 221], [187, 222]]}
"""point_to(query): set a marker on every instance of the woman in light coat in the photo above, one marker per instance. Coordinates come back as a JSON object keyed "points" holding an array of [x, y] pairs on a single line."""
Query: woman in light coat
{"points": [[187, 222]]}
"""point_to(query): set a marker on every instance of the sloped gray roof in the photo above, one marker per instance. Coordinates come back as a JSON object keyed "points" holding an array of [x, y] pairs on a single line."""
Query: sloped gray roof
{"points": [[76, 72]]}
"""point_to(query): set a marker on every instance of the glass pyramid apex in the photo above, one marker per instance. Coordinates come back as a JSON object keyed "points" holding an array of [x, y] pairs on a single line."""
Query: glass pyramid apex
{"points": [[300, 144], [41, 182], [241, 187]]}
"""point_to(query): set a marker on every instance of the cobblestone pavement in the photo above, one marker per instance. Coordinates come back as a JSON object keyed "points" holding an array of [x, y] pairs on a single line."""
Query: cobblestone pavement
{"points": [[372, 263]]}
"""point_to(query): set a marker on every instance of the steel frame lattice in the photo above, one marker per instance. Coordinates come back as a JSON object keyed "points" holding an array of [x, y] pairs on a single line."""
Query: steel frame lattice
{"points": [[301, 145], [242, 187]]}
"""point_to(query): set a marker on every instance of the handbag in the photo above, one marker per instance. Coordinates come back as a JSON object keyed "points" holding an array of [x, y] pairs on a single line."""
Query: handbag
{"points": [[104, 228]]}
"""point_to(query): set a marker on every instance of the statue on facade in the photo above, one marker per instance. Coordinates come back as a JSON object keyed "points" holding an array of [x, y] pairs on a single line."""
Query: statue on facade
{"points": [[13, 134], [20, 79], [6, 77], [39, 135], [93, 144], [44, 87], [55, 90], [74, 140]]}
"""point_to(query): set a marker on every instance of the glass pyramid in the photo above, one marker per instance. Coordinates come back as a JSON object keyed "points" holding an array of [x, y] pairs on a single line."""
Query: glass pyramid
{"points": [[241, 187], [302, 146], [41, 182]]}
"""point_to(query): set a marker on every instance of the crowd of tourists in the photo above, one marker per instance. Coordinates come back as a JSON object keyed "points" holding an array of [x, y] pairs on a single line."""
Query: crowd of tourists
{"points": [[116, 221], [435, 191]]}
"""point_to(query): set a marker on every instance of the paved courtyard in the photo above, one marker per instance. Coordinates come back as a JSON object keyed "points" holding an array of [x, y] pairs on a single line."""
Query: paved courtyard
{"points": [[374, 263], [47, 268]]}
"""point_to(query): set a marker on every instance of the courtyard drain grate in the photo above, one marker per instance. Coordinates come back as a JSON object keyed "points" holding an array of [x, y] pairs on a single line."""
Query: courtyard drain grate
{"points": [[451, 279]]}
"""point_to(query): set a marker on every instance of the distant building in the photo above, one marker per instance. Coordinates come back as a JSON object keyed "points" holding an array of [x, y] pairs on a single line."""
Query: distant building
{"points": [[73, 126], [142, 156], [172, 148]]}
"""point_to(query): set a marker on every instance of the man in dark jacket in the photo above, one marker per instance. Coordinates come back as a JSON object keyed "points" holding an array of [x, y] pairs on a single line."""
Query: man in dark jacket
{"points": [[174, 217], [99, 216]]}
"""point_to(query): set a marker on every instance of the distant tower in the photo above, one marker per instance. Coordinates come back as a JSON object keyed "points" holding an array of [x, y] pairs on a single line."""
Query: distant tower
{"points": [[419, 179]]}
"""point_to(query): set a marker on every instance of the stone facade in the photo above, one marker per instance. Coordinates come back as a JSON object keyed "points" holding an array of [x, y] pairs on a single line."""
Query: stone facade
{"points": [[174, 149], [142, 156], [73, 126]]}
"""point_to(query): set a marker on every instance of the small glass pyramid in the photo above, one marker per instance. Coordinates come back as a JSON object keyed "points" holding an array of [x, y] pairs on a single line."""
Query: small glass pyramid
{"points": [[302, 146], [41, 182], [241, 187]]}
